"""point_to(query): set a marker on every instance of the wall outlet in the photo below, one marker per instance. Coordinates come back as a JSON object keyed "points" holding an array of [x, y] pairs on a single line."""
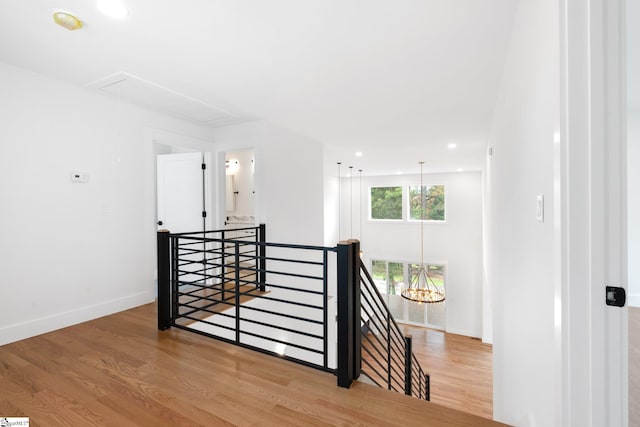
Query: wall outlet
{"points": [[80, 177]]}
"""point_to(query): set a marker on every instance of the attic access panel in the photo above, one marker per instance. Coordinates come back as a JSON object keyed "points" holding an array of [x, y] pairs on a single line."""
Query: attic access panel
{"points": [[153, 96]]}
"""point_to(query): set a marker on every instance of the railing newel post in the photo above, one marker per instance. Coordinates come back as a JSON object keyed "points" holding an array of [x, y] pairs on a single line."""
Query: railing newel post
{"points": [[262, 262], [223, 263], [175, 279], [388, 350], [345, 314], [164, 280], [427, 387], [357, 317], [237, 288], [407, 364]]}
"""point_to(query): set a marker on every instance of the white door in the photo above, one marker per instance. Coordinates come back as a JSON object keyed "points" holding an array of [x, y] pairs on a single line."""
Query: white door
{"points": [[181, 192]]}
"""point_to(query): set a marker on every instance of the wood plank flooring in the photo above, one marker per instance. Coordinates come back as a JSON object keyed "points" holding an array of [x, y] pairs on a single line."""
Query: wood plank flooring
{"points": [[634, 366], [461, 369], [120, 370]]}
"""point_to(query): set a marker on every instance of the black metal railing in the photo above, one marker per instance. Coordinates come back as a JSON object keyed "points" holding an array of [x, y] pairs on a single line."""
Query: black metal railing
{"points": [[232, 285], [278, 299], [387, 355]]}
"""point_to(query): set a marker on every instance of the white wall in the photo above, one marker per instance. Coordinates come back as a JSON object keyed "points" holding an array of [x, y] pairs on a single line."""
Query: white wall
{"points": [[289, 180], [520, 259], [73, 252], [456, 243], [633, 205]]}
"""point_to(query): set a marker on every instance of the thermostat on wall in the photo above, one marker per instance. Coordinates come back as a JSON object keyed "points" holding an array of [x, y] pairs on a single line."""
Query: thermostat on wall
{"points": [[80, 177]]}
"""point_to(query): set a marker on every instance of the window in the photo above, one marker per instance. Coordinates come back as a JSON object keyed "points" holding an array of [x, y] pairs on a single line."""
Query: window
{"points": [[391, 278], [386, 203], [432, 200]]}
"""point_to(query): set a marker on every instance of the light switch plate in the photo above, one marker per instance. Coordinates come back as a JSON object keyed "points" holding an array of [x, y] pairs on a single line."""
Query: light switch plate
{"points": [[540, 208]]}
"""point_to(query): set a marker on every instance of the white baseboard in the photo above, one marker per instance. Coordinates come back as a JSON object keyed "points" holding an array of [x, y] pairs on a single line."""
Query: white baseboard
{"points": [[31, 328], [634, 300], [461, 332]]}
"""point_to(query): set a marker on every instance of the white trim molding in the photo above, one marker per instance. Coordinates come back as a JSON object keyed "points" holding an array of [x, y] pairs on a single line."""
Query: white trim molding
{"points": [[593, 337]]}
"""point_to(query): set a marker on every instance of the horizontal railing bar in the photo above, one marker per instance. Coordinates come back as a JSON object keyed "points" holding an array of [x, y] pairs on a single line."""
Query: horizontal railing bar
{"points": [[195, 319], [272, 285], [244, 319], [196, 309], [282, 328], [228, 230], [275, 313], [288, 316], [312, 350], [281, 273], [200, 297], [299, 304], [200, 288], [271, 353], [266, 244]]}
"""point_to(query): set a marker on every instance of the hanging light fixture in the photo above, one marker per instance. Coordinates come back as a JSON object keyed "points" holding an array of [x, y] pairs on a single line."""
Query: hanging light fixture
{"points": [[360, 212], [422, 288], [351, 201], [339, 202]]}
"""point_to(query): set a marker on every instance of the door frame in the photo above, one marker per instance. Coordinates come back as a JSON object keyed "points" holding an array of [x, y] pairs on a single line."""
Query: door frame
{"points": [[591, 240], [222, 187]]}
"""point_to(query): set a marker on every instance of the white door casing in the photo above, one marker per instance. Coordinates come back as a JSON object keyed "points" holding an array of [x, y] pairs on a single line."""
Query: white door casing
{"points": [[593, 339]]}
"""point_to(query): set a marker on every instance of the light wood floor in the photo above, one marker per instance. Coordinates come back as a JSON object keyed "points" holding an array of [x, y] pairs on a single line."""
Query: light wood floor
{"points": [[634, 366], [120, 370], [461, 369]]}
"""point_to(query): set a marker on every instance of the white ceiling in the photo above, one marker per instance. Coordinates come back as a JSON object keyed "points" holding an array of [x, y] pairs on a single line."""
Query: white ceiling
{"points": [[395, 79]]}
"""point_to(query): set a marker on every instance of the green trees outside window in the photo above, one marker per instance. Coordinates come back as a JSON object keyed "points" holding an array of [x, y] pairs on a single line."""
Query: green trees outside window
{"points": [[432, 199], [386, 203]]}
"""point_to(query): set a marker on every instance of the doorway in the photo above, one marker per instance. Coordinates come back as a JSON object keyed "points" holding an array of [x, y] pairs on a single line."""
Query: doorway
{"points": [[239, 201]]}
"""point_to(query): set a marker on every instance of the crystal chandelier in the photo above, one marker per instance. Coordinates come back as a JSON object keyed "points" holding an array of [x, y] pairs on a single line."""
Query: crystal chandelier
{"points": [[422, 288]]}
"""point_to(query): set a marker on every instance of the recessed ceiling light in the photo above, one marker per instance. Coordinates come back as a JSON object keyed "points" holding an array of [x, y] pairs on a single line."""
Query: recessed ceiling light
{"points": [[399, 173], [460, 169], [451, 146], [358, 153], [113, 8], [67, 20]]}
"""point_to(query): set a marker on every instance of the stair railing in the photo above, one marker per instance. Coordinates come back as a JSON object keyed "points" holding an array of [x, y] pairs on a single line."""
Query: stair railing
{"points": [[387, 355]]}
